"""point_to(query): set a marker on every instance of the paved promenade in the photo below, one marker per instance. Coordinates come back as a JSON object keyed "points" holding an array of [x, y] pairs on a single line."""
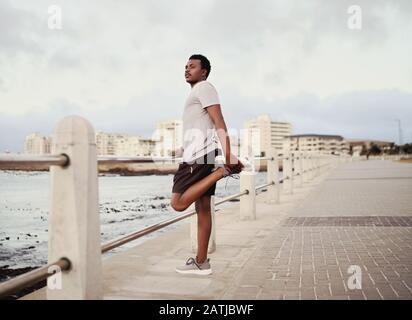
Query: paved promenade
{"points": [[361, 215], [358, 214]]}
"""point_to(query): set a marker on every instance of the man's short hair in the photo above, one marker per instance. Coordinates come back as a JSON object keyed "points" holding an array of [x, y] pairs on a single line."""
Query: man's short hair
{"points": [[204, 62]]}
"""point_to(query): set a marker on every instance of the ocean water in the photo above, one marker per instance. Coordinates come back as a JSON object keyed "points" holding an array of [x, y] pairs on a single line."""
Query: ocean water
{"points": [[126, 204]]}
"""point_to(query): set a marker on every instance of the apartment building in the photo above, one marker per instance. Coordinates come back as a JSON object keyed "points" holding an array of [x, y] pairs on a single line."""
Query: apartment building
{"points": [[168, 137], [322, 143], [262, 133], [35, 143]]}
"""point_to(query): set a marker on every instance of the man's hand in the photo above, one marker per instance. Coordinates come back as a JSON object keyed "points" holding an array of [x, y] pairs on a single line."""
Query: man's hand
{"points": [[233, 164]]}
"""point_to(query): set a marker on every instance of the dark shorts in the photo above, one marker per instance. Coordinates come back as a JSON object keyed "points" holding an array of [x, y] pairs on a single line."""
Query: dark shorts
{"points": [[189, 173]]}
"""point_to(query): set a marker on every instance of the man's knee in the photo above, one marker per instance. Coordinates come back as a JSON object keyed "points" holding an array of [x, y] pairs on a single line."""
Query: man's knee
{"points": [[176, 205]]}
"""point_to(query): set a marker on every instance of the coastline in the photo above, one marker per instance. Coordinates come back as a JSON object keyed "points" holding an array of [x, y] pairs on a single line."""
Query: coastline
{"points": [[128, 169]]}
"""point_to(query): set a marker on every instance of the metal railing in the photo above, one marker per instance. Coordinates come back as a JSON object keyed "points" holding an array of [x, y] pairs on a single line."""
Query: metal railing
{"points": [[63, 160], [8, 160], [32, 277]]}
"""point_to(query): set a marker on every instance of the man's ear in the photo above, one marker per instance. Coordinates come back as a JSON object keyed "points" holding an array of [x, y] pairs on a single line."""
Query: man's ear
{"points": [[204, 73]]}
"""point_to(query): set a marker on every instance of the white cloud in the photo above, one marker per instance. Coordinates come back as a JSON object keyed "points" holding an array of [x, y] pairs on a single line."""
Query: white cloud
{"points": [[113, 56]]}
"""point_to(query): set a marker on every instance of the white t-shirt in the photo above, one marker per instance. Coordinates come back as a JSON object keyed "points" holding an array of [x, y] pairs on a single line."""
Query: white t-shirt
{"points": [[199, 134]]}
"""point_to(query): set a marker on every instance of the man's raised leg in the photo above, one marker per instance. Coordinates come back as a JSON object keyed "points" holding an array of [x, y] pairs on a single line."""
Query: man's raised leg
{"points": [[181, 201]]}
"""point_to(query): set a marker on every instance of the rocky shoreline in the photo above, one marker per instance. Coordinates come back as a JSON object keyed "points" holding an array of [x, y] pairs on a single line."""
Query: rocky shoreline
{"points": [[115, 169], [7, 274]]}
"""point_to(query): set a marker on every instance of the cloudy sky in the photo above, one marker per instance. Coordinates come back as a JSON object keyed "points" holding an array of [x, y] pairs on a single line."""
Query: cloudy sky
{"points": [[120, 64]]}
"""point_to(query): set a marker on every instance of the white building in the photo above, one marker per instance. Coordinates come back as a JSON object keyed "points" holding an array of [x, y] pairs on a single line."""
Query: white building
{"points": [[106, 143], [262, 133], [235, 144], [123, 145], [322, 143], [37, 144], [168, 137], [147, 147]]}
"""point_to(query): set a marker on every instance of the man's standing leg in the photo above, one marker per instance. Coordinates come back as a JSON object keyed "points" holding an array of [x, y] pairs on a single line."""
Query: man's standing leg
{"points": [[204, 227]]}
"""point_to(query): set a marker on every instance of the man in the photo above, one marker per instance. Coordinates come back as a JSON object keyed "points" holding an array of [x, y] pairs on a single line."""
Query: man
{"points": [[196, 177]]}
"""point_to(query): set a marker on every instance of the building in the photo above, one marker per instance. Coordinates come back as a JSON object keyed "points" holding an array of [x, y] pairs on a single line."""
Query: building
{"points": [[322, 143], [37, 144], [126, 145], [106, 143], [262, 133], [358, 146], [123, 145], [146, 147], [235, 144], [168, 137]]}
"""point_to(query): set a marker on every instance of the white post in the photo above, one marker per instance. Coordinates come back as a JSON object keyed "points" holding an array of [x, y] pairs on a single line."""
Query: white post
{"points": [[74, 223], [194, 228], [248, 201], [304, 167], [311, 166], [273, 176], [287, 173], [299, 168]]}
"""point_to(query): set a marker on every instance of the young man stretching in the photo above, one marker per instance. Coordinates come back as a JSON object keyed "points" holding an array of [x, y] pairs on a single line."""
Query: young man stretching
{"points": [[196, 177]]}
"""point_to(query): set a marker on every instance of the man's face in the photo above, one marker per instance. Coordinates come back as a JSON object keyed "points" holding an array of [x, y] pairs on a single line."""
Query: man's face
{"points": [[194, 72]]}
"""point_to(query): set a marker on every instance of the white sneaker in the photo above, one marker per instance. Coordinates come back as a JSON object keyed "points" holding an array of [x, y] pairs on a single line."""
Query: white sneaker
{"points": [[193, 267]]}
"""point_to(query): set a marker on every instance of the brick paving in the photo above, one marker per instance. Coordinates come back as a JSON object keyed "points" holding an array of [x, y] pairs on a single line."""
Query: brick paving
{"points": [[356, 224]]}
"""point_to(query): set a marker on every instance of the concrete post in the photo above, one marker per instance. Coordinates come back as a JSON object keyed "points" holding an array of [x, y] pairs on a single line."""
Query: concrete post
{"points": [[287, 173], [273, 175], [304, 166], [74, 224], [317, 165], [248, 201], [193, 229], [311, 166], [299, 168]]}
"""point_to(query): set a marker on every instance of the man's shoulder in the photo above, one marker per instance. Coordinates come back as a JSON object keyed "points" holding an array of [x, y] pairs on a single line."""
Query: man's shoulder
{"points": [[205, 83]]}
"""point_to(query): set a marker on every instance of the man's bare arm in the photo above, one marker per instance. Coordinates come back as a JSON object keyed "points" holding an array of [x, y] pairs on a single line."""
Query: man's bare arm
{"points": [[215, 113]]}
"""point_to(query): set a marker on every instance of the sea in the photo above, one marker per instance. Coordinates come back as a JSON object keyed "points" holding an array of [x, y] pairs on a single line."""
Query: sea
{"points": [[126, 204]]}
